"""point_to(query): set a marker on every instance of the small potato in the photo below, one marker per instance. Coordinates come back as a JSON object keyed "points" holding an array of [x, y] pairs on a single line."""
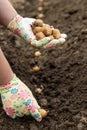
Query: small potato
{"points": [[39, 35], [37, 29], [56, 33], [51, 37], [40, 16], [36, 68], [46, 25], [47, 31], [37, 53], [38, 22], [43, 112], [38, 90], [40, 0], [40, 8]]}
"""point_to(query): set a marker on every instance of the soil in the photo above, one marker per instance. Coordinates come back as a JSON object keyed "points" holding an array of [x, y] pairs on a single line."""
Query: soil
{"points": [[63, 69]]}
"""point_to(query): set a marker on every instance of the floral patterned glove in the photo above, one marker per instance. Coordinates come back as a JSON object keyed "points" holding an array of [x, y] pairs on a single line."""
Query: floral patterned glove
{"points": [[22, 27], [18, 100]]}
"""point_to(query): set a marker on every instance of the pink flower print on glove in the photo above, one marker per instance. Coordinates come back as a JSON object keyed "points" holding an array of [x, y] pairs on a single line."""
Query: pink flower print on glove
{"points": [[18, 100]]}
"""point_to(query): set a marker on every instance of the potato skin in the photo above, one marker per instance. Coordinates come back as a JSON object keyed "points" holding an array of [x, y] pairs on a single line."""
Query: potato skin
{"points": [[43, 112], [47, 30], [36, 68], [38, 90], [40, 35], [38, 22], [37, 30], [40, 8], [41, 30], [37, 53], [51, 37], [56, 33]]}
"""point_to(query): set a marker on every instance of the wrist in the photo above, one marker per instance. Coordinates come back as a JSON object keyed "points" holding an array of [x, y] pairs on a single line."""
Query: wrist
{"points": [[6, 19], [8, 81], [9, 18], [13, 22]]}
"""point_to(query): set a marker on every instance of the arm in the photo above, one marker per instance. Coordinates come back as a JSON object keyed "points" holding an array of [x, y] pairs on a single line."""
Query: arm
{"points": [[22, 26], [6, 73], [17, 98], [7, 12]]}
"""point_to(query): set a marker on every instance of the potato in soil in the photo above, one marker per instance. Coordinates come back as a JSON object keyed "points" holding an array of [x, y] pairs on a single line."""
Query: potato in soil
{"points": [[41, 30], [38, 90], [40, 8], [36, 68], [43, 112], [51, 37], [37, 53], [40, 16]]}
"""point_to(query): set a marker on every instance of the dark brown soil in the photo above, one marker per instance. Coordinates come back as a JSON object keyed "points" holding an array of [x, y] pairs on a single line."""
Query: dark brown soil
{"points": [[63, 69]]}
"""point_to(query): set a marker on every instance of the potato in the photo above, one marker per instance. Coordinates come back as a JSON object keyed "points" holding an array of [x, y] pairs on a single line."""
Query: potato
{"points": [[56, 33], [40, 8], [43, 112], [47, 30], [39, 35], [38, 22], [51, 37], [40, 16], [36, 68], [46, 25], [37, 29], [38, 90], [37, 53]]}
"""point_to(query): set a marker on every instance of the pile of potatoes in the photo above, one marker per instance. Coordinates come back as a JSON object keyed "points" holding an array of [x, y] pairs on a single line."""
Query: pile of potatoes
{"points": [[42, 30]]}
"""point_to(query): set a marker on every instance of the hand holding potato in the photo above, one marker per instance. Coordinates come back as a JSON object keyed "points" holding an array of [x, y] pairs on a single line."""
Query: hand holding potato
{"points": [[42, 31], [36, 32]]}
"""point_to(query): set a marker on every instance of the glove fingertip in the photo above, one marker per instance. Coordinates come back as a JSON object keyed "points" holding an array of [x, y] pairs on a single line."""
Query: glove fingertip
{"points": [[61, 40], [36, 114], [38, 117], [63, 35]]}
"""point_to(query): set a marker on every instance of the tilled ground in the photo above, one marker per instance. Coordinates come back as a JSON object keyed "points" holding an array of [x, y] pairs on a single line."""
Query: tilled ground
{"points": [[63, 69]]}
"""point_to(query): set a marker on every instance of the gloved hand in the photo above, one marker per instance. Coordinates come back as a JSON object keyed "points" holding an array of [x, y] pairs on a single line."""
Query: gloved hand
{"points": [[22, 27], [18, 100]]}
